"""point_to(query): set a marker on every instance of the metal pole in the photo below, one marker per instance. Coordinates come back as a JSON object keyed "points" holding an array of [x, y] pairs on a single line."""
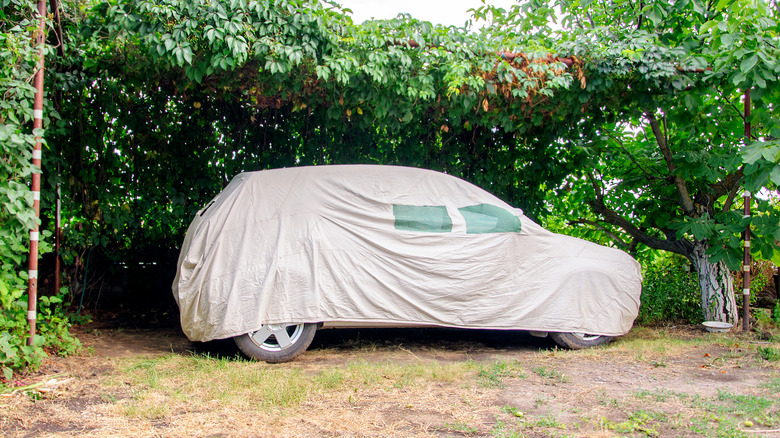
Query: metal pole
{"points": [[32, 282], [746, 262], [57, 237]]}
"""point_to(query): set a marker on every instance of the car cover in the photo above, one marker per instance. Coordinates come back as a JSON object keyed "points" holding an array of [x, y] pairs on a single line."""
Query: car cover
{"points": [[389, 245]]}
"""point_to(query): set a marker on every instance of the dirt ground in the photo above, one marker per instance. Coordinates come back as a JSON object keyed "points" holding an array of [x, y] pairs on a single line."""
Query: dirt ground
{"points": [[626, 389]]}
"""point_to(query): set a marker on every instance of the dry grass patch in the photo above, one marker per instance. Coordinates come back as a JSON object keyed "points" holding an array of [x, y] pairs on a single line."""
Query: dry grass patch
{"points": [[176, 383], [653, 382]]}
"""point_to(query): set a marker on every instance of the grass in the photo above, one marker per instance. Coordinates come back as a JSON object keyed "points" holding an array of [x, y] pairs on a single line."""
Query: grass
{"points": [[551, 374], [168, 383], [505, 430], [511, 410], [638, 422], [658, 395], [570, 393], [772, 384], [726, 414], [770, 354], [493, 375], [752, 409], [550, 421], [461, 427]]}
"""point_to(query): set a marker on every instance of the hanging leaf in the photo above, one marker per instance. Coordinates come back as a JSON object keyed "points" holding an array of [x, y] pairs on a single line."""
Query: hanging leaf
{"points": [[748, 63]]}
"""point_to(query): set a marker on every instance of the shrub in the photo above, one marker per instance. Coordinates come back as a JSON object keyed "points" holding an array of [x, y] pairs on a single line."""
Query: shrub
{"points": [[670, 292], [52, 334], [18, 63], [761, 283]]}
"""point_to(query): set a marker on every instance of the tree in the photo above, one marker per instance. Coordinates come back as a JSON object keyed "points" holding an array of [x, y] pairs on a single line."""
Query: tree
{"points": [[666, 167]]}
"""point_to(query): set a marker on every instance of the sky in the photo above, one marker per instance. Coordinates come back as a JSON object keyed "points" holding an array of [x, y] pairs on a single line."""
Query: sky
{"points": [[446, 12]]}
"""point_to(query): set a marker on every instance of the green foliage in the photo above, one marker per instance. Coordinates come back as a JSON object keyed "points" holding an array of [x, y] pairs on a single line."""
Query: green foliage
{"points": [[396, 92], [670, 292], [18, 58], [165, 101], [776, 313], [52, 334], [17, 61], [761, 272], [15, 354], [769, 354], [54, 326]]}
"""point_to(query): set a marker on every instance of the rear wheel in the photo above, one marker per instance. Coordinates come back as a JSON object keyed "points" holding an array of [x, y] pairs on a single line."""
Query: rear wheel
{"points": [[275, 343], [578, 341]]}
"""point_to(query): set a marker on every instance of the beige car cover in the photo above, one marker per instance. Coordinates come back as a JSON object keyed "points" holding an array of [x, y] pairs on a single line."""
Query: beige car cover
{"points": [[389, 245]]}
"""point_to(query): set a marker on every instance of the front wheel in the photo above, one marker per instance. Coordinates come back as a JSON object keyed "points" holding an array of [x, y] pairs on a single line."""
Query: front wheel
{"points": [[578, 341], [275, 343]]}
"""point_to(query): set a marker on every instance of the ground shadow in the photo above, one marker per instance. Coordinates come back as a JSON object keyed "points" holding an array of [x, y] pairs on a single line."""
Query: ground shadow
{"points": [[385, 339]]}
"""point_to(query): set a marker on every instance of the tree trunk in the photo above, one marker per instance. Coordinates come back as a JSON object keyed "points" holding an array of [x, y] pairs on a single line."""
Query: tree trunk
{"points": [[717, 286]]}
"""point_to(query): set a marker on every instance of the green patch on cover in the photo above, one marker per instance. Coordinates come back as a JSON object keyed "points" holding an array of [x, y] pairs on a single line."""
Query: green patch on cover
{"points": [[426, 219], [486, 218]]}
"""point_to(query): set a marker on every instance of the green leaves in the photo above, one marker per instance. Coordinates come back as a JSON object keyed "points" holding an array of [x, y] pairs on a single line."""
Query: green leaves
{"points": [[701, 228], [18, 60], [748, 63], [761, 150], [762, 159], [743, 36]]}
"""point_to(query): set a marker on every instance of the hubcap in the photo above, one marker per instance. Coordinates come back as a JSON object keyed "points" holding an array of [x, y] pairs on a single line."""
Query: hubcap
{"points": [[276, 337], [586, 337]]}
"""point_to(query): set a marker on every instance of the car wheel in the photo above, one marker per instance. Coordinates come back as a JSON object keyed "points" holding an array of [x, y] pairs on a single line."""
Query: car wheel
{"points": [[275, 343], [578, 341]]}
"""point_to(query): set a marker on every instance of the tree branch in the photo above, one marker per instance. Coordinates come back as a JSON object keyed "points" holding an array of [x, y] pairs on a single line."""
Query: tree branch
{"points": [[732, 183], [579, 22], [739, 113], [622, 243], [631, 157], [682, 247], [663, 143], [641, 16]]}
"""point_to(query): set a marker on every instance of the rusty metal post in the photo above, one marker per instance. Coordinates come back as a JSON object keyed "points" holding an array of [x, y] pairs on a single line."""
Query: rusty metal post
{"points": [[32, 282], [746, 262], [57, 237]]}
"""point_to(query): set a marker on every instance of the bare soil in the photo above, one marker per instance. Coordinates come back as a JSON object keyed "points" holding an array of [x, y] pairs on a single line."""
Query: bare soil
{"points": [[604, 392]]}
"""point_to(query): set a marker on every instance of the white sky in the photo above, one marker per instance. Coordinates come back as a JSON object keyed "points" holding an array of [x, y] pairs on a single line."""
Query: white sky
{"points": [[446, 12]]}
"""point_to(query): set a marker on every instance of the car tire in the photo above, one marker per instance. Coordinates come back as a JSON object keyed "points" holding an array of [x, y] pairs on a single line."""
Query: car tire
{"points": [[578, 341], [276, 343]]}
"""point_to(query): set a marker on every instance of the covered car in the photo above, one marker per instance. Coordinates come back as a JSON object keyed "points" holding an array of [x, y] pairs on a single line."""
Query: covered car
{"points": [[279, 253]]}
